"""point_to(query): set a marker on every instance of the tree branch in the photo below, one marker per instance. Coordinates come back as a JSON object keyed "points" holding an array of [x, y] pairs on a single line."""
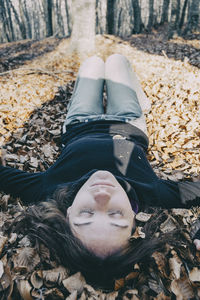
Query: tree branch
{"points": [[36, 70]]}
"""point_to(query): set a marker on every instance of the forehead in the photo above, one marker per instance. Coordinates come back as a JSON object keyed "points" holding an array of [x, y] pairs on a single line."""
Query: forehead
{"points": [[103, 242]]}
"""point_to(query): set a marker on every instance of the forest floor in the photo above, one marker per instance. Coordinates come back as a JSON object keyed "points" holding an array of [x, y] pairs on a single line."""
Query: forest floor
{"points": [[36, 83]]}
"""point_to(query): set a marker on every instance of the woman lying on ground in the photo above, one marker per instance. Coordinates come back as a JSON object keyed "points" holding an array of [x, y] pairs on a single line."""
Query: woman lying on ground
{"points": [[87, 200]]}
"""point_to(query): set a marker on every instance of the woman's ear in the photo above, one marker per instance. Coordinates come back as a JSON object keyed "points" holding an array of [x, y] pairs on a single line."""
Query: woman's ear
{"points": [[133, 228], [69, 211]]}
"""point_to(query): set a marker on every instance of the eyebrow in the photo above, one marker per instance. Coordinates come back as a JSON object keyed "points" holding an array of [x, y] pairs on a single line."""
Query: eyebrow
{"points": [[114, 224]]}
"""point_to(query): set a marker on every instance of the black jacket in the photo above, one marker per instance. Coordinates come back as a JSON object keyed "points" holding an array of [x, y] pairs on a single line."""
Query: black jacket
{"points": [[103, 145]]}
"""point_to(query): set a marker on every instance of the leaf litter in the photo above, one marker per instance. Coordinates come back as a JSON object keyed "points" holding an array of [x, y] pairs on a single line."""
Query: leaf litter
{"points": [[33, 105]]}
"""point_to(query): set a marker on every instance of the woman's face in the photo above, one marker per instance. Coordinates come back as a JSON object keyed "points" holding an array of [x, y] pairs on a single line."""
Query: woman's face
{"points": [[101, 215]]}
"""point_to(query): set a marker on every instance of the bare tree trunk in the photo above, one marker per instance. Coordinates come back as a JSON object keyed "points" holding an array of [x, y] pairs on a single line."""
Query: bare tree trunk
{"points": [[110, 16], [36, 23], [151, 15], [124, 20], [101, 16], [19, 22], [59, 18], [10, 22], [27, 17], [165, 12], [137, 16], [49, 18], [5, 20], [83, 30], [22, 23], [69, 29], [193, 16], [181, 23], [175, 13], [120, 19]]}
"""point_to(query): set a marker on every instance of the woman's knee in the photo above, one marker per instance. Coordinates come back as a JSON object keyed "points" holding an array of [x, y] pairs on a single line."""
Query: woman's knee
{"points": [[116, 59], [92, 67], [116, 63], [94, 60]]}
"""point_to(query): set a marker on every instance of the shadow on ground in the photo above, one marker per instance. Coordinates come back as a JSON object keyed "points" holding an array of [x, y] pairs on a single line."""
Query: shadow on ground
{"points": [[178, 49], [16, 54], [36, 145]]}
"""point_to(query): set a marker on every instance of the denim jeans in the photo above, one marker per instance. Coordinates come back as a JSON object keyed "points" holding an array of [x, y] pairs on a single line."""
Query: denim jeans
{"points": [[86, 102]]}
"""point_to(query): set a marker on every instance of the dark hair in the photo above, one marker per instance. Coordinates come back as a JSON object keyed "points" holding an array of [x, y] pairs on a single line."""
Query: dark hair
{"points": [[47, 223]]}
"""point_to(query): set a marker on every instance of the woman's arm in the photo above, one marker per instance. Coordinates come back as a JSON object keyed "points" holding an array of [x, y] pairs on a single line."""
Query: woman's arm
{"points": [[189, 193], [27, 186], [197, 240], [173, 194]]}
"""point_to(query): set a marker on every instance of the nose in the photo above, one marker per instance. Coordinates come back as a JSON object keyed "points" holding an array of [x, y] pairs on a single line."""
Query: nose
{"points": [[102, 197]]}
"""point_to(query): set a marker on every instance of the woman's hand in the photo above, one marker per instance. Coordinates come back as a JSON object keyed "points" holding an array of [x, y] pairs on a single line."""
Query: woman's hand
{"points": [[2, 157], [196, 237], [197, 244]]}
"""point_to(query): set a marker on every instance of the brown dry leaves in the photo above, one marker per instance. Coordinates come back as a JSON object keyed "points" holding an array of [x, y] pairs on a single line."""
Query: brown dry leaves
{"points": [[31, 273], [24, 89], [174, 124], [174, 131]]}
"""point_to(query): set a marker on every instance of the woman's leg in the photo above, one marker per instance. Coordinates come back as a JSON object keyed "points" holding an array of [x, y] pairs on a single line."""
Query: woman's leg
{"points": [[123, 85], [87, 98], [125, 97]]}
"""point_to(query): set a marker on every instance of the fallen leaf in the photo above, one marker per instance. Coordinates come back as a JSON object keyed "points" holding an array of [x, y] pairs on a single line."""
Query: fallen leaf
{"points": [[194, 275], [75, 282], [182, 289], [24, 289]]}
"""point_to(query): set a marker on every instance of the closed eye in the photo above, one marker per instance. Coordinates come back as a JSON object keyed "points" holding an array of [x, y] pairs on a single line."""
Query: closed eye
{"points": [[113, 224], [86, 212], [115, 214]]}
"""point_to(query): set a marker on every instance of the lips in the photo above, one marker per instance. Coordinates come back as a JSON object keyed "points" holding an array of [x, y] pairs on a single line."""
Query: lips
{"points": [[103, 183]]}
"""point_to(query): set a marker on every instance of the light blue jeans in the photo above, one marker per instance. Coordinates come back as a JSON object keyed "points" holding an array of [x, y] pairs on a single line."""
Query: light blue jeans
{"points": [[86, 102]]}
